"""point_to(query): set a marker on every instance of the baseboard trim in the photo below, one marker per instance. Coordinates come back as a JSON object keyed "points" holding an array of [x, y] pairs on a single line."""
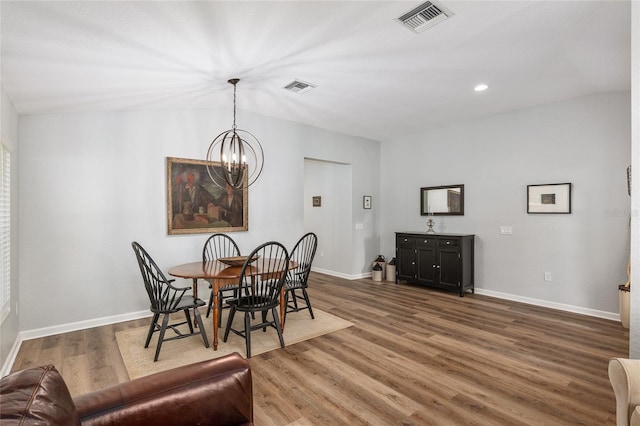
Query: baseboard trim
{"points": [[553, 305], [81, 325], [65, 328], [340, 274]]}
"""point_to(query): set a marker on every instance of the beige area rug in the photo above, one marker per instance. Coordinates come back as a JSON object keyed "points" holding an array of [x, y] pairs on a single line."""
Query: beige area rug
{"points": [[139, 361]]}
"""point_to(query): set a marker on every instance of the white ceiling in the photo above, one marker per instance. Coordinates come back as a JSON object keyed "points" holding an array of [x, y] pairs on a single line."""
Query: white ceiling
{"points": [[375, 78]]}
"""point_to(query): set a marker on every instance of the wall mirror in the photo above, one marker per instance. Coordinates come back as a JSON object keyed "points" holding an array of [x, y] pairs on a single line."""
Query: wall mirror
{"points": [[442, 200]]}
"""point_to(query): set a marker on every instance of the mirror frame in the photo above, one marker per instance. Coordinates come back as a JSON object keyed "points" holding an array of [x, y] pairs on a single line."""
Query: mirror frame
{"points": [[424, 196]]}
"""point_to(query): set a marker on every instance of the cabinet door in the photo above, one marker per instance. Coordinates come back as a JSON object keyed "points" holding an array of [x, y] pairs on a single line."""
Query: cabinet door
{"points": [[405, 258], [449, 262], [426, 256]]}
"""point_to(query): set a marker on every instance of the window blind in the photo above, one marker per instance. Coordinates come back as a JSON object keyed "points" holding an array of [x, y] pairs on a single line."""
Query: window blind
{"points": [[5, 232]]}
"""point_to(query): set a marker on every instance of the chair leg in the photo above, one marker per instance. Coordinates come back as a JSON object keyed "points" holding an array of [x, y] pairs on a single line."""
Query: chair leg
{"points": [[247, 333], [276, 319], [163, 328], [264, 321], [209, 304], [295, 300], [187, 315], [286, 304], [152, 328], [198, 318], [232, 312], [306, 298]]}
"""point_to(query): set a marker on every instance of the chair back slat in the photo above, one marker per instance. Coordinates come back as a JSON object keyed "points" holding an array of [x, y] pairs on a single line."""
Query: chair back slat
{"points": [[261, 280], [303, 253], [218, 246], [162, 295]]}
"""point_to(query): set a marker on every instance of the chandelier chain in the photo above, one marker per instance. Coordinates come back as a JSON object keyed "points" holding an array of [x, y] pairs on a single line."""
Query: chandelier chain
{"points": [[234, 105]]}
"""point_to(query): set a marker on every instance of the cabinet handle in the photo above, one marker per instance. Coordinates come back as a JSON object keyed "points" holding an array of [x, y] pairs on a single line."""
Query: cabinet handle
{"points": [[413, 263], [426, 241], [434, 266], [405, 240], [448, 242], [438, 267]]}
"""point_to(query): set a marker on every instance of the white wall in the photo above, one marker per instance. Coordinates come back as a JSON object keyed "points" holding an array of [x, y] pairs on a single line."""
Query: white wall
{"points": [[92, 183], [585, 141], [9, 136], [331, 221]]}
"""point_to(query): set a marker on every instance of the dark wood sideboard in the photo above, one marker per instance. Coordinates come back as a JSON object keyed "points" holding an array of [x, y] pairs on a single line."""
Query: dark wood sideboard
{"points": [[437, 260]]}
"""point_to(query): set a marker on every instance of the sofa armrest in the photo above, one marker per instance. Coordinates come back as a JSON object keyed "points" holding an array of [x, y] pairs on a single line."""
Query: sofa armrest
{"points": [[217, 391], [624, 375]]}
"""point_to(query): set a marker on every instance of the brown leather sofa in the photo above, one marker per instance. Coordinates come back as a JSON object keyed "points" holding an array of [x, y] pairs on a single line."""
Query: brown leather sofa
{"points": [[213, 392]]}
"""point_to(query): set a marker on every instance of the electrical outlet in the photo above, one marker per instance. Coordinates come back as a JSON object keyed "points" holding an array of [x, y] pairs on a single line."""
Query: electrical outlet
{"points": [[506, 230], [548, 276]]}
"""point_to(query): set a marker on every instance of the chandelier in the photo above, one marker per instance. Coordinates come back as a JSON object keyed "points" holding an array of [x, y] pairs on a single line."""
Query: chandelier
{"points": [[238, 152]]}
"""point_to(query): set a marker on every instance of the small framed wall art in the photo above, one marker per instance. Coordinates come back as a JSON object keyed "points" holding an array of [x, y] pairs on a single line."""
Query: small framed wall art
{"points": [[316, 201], [366, 202], [549, 198]]}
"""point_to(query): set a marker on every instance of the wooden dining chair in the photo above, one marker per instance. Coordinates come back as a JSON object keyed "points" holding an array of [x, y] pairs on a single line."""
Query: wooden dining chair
{"points": [[167, 299], [218, 246], [296, 284], [260, 284]]}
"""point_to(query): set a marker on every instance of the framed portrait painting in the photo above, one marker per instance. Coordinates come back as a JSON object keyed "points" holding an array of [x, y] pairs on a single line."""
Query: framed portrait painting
{"points": [[198, 204], [550, 198]]}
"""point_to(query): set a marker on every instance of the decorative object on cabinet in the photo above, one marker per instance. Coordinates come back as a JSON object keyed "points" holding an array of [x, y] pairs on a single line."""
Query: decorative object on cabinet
{"points": [[549, 198], [239, 152], [436, 260], [195, 205], [430, 225], [317, 201], [442, 200], [366, 202]]}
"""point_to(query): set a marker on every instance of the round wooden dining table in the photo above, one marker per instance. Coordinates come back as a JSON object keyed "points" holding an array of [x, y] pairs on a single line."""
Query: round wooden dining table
{"points": [[219, 274]]}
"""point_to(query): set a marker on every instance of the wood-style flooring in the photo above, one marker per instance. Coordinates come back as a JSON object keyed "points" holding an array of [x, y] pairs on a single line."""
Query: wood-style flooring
{"points": [[415, 356]]}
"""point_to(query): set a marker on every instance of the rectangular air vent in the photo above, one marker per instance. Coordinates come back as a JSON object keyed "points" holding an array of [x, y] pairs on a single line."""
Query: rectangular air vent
{"points": [[298, 86], [425, 16]]}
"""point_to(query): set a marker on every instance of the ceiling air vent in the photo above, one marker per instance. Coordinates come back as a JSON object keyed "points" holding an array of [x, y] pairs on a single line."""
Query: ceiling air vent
{"points": [[298, 86], [425, 16]]}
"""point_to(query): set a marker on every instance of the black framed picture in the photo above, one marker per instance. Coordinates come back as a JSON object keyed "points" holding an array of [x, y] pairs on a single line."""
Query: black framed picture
{"points": [[549, 198], [366, 202]]}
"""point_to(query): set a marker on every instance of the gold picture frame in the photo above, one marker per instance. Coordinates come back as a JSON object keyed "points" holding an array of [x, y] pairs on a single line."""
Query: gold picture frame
{"points": [[198, 205]]}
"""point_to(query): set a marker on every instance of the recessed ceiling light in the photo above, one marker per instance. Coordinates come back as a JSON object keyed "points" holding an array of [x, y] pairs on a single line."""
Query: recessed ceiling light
{"points": [[481, 87]]}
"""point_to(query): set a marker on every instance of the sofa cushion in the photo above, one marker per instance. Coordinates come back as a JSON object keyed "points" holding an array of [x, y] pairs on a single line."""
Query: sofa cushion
{"points": [[36, 396]]}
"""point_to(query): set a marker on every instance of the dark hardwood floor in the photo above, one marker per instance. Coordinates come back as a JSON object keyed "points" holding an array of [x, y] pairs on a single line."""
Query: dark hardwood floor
{"points": [[415, 356]]}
